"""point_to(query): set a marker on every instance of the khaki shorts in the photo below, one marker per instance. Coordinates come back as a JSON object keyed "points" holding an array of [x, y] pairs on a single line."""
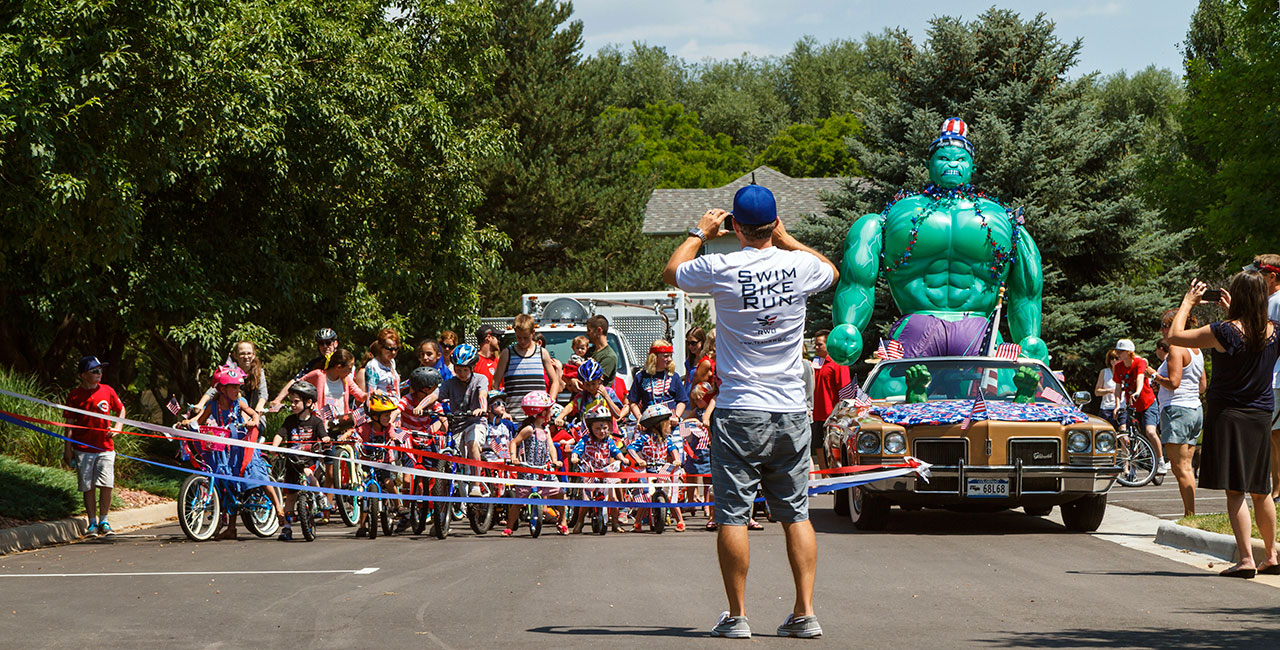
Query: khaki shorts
{"points": [[755, 451], [96, 469]]}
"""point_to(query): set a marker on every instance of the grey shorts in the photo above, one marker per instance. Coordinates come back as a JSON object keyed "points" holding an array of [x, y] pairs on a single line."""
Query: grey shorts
{"points": [[473, 433], [1180, 425], [753, 450], [96, 469]]}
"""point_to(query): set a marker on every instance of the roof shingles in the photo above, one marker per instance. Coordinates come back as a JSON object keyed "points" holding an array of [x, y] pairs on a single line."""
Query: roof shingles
{"points": [[672, 212]]}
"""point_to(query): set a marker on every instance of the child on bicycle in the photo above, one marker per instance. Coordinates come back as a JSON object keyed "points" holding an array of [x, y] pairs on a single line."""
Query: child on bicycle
{"points": [[594, 451], [379, 430], [656, 447], [501, 428], [301, 430], [418, 411], [532, 447], [467, 394], [696, 438], [594, 393], [228, 411]]}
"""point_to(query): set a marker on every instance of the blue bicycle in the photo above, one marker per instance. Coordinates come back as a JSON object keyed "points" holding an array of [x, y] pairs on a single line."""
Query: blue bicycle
{"points": [[204, 500]]}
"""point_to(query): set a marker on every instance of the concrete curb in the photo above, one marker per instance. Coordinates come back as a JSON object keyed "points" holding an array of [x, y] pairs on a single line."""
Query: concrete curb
{"points": [[62, 531], [1203, 541]]}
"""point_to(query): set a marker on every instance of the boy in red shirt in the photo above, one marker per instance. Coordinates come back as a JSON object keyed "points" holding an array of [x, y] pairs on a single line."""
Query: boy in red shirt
{"points": [[828, 379], [93, 453], [1130, 374]]}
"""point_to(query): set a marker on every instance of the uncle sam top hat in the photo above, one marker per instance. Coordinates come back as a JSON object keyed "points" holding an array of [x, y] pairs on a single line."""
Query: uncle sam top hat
{"points": [[954, 132]]}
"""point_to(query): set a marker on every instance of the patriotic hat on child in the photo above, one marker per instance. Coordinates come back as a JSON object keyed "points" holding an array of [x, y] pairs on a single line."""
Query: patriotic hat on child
{"points": [[954, 133]]}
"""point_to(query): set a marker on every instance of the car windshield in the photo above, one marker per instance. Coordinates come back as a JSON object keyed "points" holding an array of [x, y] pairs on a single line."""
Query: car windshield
{"points": [[962, 379]]}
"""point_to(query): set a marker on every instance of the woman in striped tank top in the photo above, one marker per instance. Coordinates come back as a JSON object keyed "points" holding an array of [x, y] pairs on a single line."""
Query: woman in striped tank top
{"points": [[525, 367]]}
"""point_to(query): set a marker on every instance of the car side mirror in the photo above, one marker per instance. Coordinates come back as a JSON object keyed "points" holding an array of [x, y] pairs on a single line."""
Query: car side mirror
{"points": [[1081, 397]]}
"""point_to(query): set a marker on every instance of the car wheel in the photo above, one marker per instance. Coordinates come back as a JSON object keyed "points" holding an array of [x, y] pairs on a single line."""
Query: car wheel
{"points": [[867, 511], [841, 505], [1040, 511], [1084, 515]]}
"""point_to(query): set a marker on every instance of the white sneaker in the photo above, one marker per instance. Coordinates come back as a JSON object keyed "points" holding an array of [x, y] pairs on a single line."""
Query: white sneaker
{"points": [[475, 491], [1165, 466]]}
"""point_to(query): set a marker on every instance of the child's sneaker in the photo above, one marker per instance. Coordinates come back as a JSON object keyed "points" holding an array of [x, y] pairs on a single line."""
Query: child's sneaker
{"points": [[800, 627], [732, 627], [286, 535], [104, 529], [91, 531]]}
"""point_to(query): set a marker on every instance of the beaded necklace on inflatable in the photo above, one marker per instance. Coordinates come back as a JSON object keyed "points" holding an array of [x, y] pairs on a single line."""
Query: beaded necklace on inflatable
{"points": [[1001, 257]]}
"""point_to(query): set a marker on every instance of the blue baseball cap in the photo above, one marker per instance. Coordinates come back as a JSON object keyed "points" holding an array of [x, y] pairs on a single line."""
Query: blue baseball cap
{"points": [[88, 363], [753, 205]]}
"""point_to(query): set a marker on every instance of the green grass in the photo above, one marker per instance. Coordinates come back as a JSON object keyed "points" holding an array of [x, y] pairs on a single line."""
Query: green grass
{"points": [[40, 493], [1217, 523]]}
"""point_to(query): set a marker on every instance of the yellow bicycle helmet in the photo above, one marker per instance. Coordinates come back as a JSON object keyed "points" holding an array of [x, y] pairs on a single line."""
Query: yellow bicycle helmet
{"points": [[380, 402]]}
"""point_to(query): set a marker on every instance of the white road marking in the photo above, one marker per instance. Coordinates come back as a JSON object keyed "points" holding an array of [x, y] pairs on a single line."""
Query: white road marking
{"points": [[359, 572]]}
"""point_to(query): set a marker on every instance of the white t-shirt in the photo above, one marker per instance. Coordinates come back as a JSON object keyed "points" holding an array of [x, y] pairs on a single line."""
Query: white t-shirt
{"points": [[1273, 312], [760, 299], [335, 396]]}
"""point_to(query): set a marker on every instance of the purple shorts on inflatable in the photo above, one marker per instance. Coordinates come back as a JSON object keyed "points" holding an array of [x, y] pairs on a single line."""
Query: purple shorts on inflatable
{"points": [[922, 335]]}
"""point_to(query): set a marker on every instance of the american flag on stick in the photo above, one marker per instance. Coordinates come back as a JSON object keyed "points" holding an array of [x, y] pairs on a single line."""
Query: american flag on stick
{"points": [[173, 406], [359, 417], [890, 350], [1053, 396], [853, 391], [979, 409], [326, 412], [1008, 351]]}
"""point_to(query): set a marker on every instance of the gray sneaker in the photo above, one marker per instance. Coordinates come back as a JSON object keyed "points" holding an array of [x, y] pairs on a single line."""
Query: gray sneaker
{"points": [[800, 627], [732, 627]]}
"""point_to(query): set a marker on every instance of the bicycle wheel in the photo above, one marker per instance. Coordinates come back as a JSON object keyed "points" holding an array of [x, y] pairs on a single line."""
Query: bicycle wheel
{"points": [[535, 516], [481, 514], [372, 507], [658, 516], [1136, 459], [258, 513], [348, 478], [387, 511], [198, 508], [421, 508], [441, 515], [304, 511]]}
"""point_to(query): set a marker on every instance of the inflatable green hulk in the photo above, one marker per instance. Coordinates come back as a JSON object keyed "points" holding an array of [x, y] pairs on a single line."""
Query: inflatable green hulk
{"points": [[945, 252]]}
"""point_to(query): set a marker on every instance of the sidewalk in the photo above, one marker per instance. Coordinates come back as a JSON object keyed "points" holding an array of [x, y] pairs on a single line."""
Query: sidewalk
{"points": [[63, 531]]}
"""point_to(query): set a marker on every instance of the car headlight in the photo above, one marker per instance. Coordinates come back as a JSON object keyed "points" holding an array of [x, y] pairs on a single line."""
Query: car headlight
{"points": [[1078, 442], [1104, 442], [895, 443], [868, 443]]}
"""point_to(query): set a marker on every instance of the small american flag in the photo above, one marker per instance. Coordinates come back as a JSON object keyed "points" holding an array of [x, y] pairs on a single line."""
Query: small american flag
{"points": [[1062, 376], [173, 406], [326, 412], [1008, 351], [890, 350], [359, 417], [979, 409], [849, 391], [1053, 396]]}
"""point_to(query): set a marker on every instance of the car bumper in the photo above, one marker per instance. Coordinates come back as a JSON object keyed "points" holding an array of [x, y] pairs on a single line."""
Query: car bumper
{"points": [[1041, 484]]}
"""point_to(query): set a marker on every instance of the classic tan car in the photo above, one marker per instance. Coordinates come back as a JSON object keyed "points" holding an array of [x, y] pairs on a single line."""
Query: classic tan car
{"points": [[1034, 454]]}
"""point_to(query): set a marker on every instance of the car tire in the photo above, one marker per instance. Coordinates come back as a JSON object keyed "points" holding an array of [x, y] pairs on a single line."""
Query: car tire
{"points": [[841, 505], [867, 511], [1085, 514], [1038, 511]]}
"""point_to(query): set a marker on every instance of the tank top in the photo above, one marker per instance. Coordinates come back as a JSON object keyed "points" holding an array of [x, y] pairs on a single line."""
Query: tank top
{"points": [[1109, 382], [524, 375], [1187, 394], [536, 449]]}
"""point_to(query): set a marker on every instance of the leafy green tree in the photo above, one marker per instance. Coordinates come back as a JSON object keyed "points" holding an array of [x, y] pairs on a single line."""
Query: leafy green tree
{"points": [[1110, 264], [739, 98], [647, 75], [807, 150], [678, 152], [822, 80]]}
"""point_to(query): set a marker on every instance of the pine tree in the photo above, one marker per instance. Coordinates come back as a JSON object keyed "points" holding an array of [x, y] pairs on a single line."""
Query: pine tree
{"points": [[1110, 265]]}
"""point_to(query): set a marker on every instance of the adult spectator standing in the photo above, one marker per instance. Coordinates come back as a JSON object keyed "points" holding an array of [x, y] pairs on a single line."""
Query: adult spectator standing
{"points": [[1105, 388], [1237, 433], [1181, 380], [524, 367], [693, 341], [607, 357], [1134, 391], [1269, 267], [326, 345], [759, 429], [489, 346], [827, 382]]}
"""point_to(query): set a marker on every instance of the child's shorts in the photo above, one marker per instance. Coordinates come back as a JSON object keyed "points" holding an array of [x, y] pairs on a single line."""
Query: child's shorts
{"points": [[96, 469], [523, 491]]}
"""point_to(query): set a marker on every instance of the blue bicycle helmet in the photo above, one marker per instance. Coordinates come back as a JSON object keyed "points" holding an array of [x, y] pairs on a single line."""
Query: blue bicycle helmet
{"points": [[465, 355], [590, 370]]}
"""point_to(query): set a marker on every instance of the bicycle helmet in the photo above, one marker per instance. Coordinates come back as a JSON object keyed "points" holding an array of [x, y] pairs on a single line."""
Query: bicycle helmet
{"points": [[380, 402], [597, 413], [325, 335], [424, 378], [654, 414], [556, 410], [497, 396], [465, 355], [590, 370], [305, 390], [535, 402], [228, 376]]}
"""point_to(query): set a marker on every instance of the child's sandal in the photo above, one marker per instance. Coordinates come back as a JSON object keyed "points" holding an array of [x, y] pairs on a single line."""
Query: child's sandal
{"points": [[508, 532], [564, 530], [679, 526]]}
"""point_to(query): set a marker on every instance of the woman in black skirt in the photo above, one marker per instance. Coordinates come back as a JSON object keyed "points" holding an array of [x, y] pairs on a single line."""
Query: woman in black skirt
{"points": [[1237, 421]]}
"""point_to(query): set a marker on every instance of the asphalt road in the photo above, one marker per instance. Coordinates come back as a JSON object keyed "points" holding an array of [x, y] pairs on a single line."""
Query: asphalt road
{"points": [[933, 579], [1164, 502]]}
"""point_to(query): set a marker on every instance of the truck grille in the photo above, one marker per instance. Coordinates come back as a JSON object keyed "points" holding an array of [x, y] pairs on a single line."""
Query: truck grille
{"points": [[941, 452], [1044, 451]]}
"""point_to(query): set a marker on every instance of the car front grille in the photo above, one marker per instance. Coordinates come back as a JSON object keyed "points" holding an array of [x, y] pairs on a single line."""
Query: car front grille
{"points": [[1042, 451], [941, 452]]}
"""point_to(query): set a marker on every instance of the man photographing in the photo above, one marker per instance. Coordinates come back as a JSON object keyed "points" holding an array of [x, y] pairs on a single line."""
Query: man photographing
{"points": [[759, 429]]}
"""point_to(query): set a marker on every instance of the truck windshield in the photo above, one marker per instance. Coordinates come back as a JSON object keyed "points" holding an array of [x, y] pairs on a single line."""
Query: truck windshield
{"points": [[960, 379], [560, 344]]}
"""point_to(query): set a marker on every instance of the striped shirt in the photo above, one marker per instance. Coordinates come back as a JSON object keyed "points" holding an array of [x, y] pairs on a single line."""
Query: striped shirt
{"points": [[524, 375]]}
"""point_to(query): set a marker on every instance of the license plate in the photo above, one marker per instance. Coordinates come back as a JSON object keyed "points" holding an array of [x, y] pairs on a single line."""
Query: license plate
{"points": [[988, 487]]}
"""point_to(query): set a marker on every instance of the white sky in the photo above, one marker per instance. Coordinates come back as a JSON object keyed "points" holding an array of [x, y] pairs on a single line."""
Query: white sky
{"points": [[1118, 34]]}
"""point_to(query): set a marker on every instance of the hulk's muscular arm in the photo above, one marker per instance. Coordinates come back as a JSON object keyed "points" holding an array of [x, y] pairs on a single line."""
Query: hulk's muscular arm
{"points": [[1026, 285], [856, 294]]}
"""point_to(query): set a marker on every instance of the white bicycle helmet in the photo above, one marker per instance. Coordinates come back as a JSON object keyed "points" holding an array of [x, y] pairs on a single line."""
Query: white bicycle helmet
{"points": [[654, 414]]}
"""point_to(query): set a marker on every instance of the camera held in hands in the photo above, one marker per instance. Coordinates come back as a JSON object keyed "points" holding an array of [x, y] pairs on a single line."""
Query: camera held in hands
{"points": [[1211, 295]]}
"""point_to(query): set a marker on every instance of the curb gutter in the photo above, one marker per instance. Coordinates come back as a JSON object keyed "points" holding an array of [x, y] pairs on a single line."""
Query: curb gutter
{"points": [[1203, 541], [62, 531]]}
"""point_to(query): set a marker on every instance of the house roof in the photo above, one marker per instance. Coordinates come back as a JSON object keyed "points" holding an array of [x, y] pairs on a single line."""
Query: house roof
{"points": [[672, 212]]}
